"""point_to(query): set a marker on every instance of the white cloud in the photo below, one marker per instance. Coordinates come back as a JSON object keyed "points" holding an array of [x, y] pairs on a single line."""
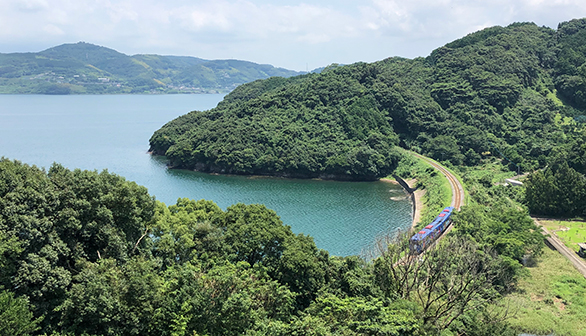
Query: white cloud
{"points": [[314, 38], [285, 34], [121, 11], [30, 5], [53, 30]]}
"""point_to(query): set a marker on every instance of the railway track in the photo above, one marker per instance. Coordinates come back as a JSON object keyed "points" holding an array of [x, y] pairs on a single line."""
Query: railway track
{"points": [[458, 197], [458, 194], [556, 243]]}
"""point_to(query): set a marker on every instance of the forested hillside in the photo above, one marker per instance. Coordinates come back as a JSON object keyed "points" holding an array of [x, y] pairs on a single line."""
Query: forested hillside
{"points": [[560, 189], [86, 68], [512, 92], [88, 253]]}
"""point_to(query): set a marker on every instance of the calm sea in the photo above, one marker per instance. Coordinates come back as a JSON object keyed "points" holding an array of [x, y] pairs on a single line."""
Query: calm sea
{"points": [[112, 132]]}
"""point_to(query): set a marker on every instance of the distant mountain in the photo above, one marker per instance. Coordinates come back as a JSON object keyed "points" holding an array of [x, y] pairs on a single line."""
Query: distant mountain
{"points": [[84, 68]]}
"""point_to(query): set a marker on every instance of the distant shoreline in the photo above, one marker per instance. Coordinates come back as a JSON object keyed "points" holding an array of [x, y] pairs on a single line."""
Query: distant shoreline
{"points": [[115, 93]]}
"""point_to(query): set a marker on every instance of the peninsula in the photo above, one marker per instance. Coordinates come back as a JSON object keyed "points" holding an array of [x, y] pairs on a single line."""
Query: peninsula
{"points": [[509, 92]]}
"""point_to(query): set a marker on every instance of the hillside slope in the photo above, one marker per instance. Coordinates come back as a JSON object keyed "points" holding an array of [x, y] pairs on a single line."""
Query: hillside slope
{"points": [[512, 92], [87, 68]]}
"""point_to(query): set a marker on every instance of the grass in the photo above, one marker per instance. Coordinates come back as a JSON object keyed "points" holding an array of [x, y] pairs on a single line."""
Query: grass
{"points": [[449, 167], [490, 169], [576, 233], [438, 192], [550, 299]]}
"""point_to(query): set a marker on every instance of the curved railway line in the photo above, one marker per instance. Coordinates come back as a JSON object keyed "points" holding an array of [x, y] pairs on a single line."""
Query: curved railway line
{"points": [[458, 194], [458, 197]]}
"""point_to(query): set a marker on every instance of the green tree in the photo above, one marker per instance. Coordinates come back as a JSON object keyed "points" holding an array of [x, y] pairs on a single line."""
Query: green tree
{"points": [[443, 148], [511, 232], [255, 234], [187, 230], [450, 279], [15, 316], [559, 191], [302, 267], [53, 221], [367, 316]]}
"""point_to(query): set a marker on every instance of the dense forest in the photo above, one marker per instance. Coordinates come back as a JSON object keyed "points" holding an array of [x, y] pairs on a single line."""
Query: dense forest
{"points": [[512, 92], [560, 189], [88, 253], [84, 68]]}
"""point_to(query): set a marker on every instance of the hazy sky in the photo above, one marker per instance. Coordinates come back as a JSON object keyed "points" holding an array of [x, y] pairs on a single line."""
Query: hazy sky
{"points": [[291, 34]]}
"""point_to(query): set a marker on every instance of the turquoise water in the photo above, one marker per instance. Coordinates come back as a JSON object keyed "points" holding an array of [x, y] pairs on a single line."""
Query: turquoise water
{"points": [[112, 132]]}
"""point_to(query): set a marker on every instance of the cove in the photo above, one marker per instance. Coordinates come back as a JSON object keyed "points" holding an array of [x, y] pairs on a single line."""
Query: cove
{"points": [[111, 132]]}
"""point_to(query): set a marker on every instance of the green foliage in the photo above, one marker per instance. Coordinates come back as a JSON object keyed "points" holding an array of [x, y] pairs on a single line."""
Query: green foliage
{"points": [[571, 65], [444, 148], [87, 68], [303, 268], [50, 221], [9, 251], [97, 255], [107, 299], [495, 218], [255, 234], [16, 319], [489, 92], [558, 191], [508, 230], [483, 323], [185, 231], [253, 133], [372, 316]]}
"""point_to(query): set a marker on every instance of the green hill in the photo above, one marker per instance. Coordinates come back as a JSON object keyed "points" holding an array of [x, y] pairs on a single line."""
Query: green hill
{"points": [[515, 92], [86, 68]]}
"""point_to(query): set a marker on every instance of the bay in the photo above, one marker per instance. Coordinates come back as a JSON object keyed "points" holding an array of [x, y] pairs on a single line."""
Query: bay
{"points": [[111, 132]]}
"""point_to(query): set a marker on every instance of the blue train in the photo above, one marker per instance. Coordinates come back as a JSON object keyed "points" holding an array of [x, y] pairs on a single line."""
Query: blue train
{"points": [[431, 232]]}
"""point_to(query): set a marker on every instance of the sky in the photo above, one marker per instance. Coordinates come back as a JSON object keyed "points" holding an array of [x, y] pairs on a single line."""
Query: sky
{"points": [[297, 35]]}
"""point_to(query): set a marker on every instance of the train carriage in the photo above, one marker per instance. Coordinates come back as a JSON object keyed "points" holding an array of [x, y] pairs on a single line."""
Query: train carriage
{"points": [[431, 232]]}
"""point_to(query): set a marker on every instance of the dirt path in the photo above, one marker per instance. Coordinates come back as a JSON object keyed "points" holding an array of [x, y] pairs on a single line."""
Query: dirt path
{"points": [[563, 249], [418, 199]]}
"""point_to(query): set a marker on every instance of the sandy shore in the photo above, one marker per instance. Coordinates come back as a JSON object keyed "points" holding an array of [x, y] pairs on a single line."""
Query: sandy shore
{"points": [[418, 202], [387, 180], [417, 199]]}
